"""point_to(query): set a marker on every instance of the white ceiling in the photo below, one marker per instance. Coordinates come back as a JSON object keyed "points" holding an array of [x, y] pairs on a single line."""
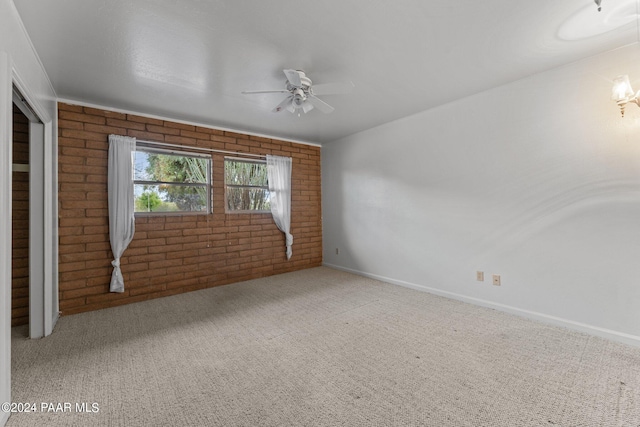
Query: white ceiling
{"points": [[190, 59]]}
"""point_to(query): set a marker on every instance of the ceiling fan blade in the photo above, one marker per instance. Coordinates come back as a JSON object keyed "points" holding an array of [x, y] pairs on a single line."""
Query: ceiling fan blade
{"points": [[284, 105], [251, 92], [293, 77], [320, 104], [332, 88]]}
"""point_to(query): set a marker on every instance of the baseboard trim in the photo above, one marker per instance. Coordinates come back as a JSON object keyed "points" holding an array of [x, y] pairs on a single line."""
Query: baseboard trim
{"points": [[557, 321]]}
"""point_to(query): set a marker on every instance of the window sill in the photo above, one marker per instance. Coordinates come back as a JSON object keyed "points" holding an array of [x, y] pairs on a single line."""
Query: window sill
{"points": [[146, 214], [247, 212]]}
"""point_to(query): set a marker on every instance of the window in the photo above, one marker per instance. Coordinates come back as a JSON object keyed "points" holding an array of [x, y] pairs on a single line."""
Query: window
{"points": [[171, 181], [246, 186]]}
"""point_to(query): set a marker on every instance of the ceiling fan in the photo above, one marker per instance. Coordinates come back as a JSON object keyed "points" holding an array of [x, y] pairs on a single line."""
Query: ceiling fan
{"points": [[302, 94]]}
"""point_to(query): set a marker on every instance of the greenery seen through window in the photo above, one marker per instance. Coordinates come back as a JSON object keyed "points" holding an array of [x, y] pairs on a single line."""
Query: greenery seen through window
{"points": [[246, 186], [171, 182]]}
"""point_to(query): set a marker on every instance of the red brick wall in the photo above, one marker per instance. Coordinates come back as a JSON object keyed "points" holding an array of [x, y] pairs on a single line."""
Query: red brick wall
{"points": [[20, 222], [172, 254]]}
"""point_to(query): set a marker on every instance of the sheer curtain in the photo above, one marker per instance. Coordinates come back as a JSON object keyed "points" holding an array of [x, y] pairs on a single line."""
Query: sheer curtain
{"points": [[120, 188], [279, 176]]}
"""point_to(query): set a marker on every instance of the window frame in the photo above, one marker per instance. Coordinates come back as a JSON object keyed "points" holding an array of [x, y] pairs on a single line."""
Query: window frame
{"points": [[265, 187], [178, 153]]}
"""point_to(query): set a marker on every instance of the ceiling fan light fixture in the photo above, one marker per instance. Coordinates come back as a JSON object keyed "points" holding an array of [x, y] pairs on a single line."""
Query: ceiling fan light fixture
{"points": [[291, 108], [306, 107], [299, 97]]}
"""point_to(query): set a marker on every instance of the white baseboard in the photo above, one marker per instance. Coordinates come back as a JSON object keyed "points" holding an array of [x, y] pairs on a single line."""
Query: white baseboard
{"points": [[557, 321]]}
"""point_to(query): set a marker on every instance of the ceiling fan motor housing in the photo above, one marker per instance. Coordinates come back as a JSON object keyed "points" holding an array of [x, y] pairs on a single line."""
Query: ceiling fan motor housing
{"points": [[305, 83]]}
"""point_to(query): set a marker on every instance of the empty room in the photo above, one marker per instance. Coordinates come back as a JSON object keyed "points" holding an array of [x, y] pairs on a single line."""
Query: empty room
{"points": [[285, 213]]}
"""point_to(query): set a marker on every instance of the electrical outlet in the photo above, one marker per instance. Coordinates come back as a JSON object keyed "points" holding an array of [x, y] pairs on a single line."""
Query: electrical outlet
{"points": [[480, 276], [337, 251], [496, 279]]}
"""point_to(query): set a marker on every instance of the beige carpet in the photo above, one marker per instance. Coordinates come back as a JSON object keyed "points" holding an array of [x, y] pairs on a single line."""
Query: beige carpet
{"points": [[321, 348]]}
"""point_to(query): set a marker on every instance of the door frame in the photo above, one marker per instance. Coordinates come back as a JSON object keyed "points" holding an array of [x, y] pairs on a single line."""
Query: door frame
{"points": [[6, 160], [47, 291], [43, 304]]}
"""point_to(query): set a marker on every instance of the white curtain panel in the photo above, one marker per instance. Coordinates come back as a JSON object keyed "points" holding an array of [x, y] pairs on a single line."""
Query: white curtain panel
{"points": [[279, 176], [120, 188]]}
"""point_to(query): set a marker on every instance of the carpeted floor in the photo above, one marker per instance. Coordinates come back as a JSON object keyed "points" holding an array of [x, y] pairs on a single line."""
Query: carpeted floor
{"points": [[320, 348]]}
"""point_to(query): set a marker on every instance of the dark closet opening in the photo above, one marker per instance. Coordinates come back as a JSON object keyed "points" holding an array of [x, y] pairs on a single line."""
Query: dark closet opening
{"points": [[20, 220]]}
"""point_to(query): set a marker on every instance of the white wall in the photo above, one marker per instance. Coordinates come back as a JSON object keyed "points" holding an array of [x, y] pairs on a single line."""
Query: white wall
{"points": [[537, 180], [20, 64]]}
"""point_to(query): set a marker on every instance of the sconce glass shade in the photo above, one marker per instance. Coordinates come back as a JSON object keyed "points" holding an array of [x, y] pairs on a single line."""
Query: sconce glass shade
{"points": [[621, 89]]}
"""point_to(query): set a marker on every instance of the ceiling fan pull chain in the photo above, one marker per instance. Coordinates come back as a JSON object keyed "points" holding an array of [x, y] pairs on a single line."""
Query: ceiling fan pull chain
{"points": [[598, 4]]}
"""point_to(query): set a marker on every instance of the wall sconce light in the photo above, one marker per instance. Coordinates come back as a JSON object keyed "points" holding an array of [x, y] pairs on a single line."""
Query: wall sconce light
{"points": [[622, 93]]}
